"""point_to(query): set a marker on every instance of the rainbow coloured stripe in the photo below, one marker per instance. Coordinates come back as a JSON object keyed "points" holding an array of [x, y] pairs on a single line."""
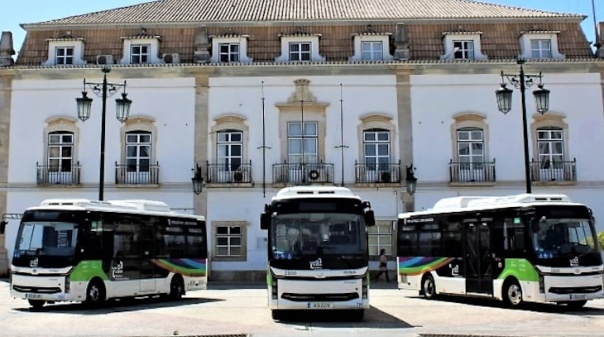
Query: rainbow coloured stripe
{"points": [[417, 265], [185, 267]]}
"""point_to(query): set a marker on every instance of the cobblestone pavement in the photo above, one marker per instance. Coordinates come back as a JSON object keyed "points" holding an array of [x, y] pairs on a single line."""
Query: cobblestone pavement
{"points": [[236, 310]]}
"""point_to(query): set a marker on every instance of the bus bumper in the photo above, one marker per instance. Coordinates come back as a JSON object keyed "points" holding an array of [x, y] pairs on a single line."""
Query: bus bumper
{"points": [[319, 295], [567, 288], [50, 289]]}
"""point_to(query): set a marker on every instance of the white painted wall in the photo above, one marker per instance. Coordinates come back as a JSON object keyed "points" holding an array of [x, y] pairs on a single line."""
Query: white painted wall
{"points": [[361, 95]]}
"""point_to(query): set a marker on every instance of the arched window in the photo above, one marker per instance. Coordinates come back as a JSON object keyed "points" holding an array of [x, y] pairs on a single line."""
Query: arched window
{"points": [[376, 149], [470, 147], [229, 149]]}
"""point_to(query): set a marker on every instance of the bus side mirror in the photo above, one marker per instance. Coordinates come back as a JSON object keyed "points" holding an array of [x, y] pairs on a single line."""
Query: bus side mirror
{"points": [[369, 218], [265, 221], [3, 224]]}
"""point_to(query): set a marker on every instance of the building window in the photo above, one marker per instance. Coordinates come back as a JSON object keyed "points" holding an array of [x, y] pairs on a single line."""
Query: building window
{"points": [[470, 148], [139, 53], [138, 151], [541, 49], [372, 50], [229, 149], [376, 145], [60, 151], [229, 52], [299, 51], [550, 144], [464, 50], [380, 237], [64, 55], [228, 241], [302, 145]]}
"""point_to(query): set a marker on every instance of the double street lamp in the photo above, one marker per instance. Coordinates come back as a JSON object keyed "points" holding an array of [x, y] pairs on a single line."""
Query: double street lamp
{"points": [[523, 81], [122, 111]]}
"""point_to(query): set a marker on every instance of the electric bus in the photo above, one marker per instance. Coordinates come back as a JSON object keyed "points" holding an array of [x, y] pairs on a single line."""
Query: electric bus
{"points": [[517, 248], [318, 254], [91, 251]]}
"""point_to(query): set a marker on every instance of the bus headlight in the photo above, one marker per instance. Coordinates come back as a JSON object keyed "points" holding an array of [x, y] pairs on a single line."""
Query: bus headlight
{"points": [[274, 289], [365, 287]]}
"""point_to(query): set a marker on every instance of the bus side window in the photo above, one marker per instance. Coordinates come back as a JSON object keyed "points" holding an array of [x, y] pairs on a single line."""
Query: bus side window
{"points": [[452, 239]]}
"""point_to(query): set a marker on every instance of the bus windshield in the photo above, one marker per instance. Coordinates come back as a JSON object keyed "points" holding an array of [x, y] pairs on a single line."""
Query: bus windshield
{"points": [[561, 237], [47, 238], [300, 235]]}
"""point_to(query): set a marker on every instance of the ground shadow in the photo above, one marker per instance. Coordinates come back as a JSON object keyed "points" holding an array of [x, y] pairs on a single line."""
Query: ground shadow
{"points": [[374, 319], [119, 305], [537, 307]]}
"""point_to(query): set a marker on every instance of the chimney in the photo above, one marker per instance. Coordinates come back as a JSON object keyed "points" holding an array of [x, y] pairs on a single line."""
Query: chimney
{"points": [[401, 42], [202, 44], [6, 50]]}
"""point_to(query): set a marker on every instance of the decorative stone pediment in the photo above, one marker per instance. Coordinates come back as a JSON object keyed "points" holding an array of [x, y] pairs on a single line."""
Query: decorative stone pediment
{"points": [[302, 96]]}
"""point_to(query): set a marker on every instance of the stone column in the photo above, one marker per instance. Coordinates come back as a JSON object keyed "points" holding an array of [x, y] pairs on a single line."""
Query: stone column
{"points": [[201, 136], [405, 129], [6, 79]]}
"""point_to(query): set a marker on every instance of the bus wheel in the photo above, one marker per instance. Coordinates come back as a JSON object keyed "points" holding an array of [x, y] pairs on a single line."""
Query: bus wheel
{"points": [[277, 314], [428, 287], [512, 294], [177, 288], [576, 304], [95, 294], [36, 304]]}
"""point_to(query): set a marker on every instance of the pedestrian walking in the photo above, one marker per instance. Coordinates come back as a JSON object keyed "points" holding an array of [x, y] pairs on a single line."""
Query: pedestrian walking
{"points": [[383, 266]]}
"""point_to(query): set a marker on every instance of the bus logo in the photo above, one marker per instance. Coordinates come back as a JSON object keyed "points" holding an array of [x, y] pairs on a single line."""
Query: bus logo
{"points": [[574, 262], [316, 264]]}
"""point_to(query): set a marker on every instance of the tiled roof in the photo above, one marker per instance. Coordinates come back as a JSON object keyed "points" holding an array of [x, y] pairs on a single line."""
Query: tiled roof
{"points": [[209, 11]]}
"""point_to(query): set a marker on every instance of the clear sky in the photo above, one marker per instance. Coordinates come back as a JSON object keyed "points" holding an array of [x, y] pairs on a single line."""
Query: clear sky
{"points": [[29, 11]]}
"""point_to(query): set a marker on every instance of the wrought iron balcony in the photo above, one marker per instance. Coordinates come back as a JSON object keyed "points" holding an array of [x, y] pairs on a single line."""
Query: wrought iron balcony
{"points": [[475, 172], [556, 171], [58, 175], [302, 173], [126, 174], [229, 173], [374, 173]]}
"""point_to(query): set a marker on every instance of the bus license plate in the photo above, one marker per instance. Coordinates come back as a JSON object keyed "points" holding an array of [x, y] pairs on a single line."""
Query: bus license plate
{"points": [[321, 305], [33, 296], [577, 297]]}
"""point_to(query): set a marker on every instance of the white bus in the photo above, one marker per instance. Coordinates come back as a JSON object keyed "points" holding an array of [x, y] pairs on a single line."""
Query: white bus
{"points": [[90, 251], [317, 250], [518, 248]]}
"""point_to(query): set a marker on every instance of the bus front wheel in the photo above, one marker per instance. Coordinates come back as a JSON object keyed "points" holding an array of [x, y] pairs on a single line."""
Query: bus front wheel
{"points": [[512, 294], [177, 288], [428, 287], [36, 304], [277, 314], [95, 294]]}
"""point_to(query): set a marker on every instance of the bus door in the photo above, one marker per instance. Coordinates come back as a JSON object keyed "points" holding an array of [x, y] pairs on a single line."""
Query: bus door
{"points": [[147, 252], [478, 271]]}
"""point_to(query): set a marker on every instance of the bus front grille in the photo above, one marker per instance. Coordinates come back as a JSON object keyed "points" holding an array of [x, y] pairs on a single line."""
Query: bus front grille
{"points": [[38, 290], [319, 297], [574, 290]]}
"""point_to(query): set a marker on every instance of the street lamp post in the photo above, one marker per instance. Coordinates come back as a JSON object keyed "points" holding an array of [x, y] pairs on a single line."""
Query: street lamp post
{"points": [[523, 81], [103, 90]]}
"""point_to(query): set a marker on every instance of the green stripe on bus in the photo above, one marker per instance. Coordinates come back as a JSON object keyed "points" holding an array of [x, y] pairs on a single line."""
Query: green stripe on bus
{"points": [[86, 270], [521, 269]]}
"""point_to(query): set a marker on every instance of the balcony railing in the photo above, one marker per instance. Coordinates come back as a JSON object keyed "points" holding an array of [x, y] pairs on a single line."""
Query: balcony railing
{"points": [[136, 174], [58, 175], [475, 172], [302, 173], [225, 173], [374, 173], [547, 171]]}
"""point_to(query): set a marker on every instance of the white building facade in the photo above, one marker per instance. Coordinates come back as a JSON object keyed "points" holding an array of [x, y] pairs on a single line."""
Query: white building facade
{"points": [[330, 103]]}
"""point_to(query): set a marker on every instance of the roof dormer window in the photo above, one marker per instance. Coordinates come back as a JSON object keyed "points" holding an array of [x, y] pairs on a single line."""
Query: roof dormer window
{"points": [[229, 48], [462, 46], [142, 48], [539, 45], [371, 46], [300, 47], [65, 51]]}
